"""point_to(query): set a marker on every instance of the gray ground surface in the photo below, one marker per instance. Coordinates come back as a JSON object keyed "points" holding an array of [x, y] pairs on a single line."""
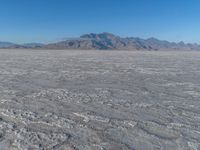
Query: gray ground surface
{"points": [[99, 100]]}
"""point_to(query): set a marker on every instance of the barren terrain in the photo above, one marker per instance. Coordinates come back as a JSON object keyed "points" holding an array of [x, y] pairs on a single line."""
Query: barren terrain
{"points": [[99, 100]]}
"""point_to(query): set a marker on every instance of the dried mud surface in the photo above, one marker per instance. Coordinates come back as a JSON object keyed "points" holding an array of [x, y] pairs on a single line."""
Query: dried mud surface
{"points": [[99, 100]]}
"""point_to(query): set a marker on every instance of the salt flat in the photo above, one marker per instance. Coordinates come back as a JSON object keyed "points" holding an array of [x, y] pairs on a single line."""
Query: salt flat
{"points": [[99, 100]]}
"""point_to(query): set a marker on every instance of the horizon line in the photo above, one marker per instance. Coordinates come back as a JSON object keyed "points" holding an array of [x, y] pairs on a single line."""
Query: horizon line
{"points": [[79, 36]]}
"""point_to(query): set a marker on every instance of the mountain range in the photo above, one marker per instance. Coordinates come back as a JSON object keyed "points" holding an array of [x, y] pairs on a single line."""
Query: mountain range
{"points": [[9, 45], [106, 41]]}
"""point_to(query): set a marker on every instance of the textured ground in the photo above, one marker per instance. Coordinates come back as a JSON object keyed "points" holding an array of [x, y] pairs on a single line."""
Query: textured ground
{"points": [[99, 100]]}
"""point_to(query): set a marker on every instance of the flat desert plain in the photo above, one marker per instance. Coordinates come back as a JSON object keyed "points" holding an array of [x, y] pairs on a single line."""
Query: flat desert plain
{"points": [[99, 100]]}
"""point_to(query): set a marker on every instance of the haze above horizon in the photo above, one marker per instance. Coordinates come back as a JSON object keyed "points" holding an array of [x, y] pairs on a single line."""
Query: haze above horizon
{"points": [[25, 21]]}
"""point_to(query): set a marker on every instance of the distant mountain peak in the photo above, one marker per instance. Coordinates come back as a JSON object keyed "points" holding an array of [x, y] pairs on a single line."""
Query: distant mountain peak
{"points": [[104, 35], [152, 39]]}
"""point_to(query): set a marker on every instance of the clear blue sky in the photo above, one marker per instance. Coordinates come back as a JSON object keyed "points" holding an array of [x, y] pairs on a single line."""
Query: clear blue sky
{"points": [[49, 20]]}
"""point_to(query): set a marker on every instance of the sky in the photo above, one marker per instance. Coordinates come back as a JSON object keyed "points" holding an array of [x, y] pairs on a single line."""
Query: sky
{"points": [[24, 21]]}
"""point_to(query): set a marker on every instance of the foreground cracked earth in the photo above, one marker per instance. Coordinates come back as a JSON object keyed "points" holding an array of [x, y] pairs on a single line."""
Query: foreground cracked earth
{"points": [[99, 100]]}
